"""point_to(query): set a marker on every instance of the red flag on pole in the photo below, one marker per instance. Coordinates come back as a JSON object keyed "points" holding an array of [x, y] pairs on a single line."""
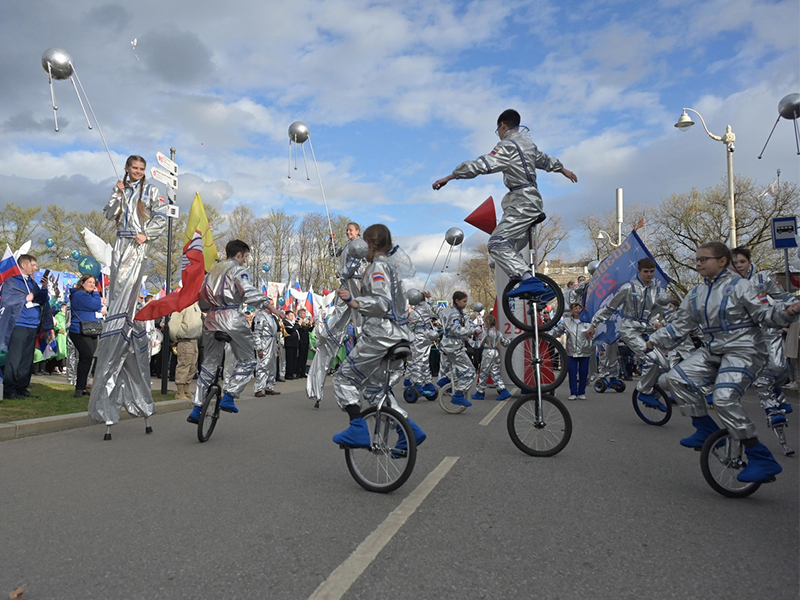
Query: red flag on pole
{"points": [[192, 274]]}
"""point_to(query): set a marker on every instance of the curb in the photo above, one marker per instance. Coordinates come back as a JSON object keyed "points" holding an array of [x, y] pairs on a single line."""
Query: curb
{"points": [[30, 427]]}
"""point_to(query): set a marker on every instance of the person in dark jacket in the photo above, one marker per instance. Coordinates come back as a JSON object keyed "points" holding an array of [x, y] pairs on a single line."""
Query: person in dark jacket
{"points": [[292, 344], [25, 311], [86, 305], [304, 327]]}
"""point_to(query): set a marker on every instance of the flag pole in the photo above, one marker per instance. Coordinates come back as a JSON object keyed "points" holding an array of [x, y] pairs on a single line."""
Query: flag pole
{"points": [[166, 353]]}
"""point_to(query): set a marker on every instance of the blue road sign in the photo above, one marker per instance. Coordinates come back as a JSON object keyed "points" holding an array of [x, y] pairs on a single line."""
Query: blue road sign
{"points": [[784, 232]]}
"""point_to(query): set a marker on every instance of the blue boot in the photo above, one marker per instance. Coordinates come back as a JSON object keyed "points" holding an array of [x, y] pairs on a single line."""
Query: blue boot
{"points": [[355, 436], [460, 400], [419, 435], [504, 395], [407, 383], [761, 465], [443, 381], [705, 426], [227, 404], [194, 416], [477, 396], [532, 287], [785, 407], [428, 390], [775, 416], [710, 399], [651, 401]]}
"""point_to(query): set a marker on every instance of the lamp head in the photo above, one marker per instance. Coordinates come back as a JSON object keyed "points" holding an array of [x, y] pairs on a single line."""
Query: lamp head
{"points": [[684, 122]]}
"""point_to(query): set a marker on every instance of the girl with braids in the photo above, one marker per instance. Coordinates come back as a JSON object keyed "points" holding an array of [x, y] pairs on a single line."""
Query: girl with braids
{"points": [[122, 374]]}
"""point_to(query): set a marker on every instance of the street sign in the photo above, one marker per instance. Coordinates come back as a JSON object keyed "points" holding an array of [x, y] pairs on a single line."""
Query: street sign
{"points": [[441, 304], [172, 211], [170, 165], [164, 177], [784, 232]]}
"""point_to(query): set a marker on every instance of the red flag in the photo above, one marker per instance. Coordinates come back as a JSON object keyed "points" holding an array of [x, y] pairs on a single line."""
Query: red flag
{"points": [[192, 274], [309, 304], [640, 224]]}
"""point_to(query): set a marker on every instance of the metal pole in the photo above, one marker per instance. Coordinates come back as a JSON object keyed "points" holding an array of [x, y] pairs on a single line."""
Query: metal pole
{"points": [[619, 216], [786, 269], [731, 207], [166, 350]]}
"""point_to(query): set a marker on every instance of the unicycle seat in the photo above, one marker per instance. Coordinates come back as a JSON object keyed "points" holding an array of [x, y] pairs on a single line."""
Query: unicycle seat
{"points": [[221, 336], [399, 351]]}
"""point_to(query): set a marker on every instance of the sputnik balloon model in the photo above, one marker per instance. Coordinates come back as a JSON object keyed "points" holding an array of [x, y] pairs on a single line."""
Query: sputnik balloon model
{"points": [[789, 109], [57, 63], [299, 134], [453, 236]]}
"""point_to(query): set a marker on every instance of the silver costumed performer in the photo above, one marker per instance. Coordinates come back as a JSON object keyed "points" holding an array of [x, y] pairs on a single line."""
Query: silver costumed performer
{"points": [[457, 328], [640, 305], [776, 372], [383, 304], [332, 333], [265, 332], [490, 341], [226, 287], [122, 372], [419, 369], [518, 158], [731, 317]]}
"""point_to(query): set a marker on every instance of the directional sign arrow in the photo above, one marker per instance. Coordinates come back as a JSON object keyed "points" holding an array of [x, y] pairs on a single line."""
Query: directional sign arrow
{"points": [[164, 177], [166, 163]]}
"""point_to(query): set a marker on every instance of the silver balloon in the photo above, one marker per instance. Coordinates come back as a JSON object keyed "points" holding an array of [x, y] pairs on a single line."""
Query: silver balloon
{"points": [[298, 132], [477, 307], [592, 266], [414, 296], [60, 63], [789, 106], [454, 236], [357, 248]]}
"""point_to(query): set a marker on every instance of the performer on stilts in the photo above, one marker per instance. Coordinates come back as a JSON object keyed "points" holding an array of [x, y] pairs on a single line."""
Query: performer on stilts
{"points": [[122, 373]]}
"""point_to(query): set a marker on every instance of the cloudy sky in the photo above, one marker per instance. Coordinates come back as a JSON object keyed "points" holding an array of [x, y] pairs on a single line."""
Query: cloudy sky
{"points": [[396, 94]]}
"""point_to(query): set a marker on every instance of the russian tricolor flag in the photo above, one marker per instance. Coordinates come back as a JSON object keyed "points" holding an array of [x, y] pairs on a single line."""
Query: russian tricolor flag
{"points": [[309, 304], [8, 266]]}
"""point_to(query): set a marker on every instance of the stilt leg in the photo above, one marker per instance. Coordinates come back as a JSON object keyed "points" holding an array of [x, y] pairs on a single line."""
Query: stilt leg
{"points": [[107, 436], [147, 428]]}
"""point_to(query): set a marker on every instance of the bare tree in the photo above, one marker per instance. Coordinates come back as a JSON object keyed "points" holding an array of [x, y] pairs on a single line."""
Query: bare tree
{"points": [[550, 235], [478, 277], [594, 223]]}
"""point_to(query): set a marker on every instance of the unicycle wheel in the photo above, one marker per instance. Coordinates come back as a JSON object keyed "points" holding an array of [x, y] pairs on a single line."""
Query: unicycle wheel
{"points": [[209, 413], [524, 318], [721, 460], [539, 432], [653, 415], [521, 362], [386, 464]]}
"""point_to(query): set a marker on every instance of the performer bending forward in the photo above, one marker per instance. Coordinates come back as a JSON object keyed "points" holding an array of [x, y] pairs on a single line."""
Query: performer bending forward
{"points": [[122, 374]]}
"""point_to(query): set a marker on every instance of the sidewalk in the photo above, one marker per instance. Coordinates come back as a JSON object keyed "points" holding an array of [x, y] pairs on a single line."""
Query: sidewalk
{"points": [[29, 427]]}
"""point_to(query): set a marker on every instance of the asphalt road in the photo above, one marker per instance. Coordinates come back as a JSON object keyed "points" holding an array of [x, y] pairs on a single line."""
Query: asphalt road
{"points": [[267, 509]]}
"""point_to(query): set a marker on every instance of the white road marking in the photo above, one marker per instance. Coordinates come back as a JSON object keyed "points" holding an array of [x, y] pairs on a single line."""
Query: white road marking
{"points": [[338, 582], [488, 418]]}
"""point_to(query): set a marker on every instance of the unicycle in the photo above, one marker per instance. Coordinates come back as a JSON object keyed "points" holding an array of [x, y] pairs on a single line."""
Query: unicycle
{"points": [[538, 424], [722, 458], [209, 413], [389, 460], [653, 415]]}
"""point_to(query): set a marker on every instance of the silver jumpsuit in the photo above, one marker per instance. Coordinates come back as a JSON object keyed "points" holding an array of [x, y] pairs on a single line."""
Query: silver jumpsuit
{"points": [[490, 341], [383, 305], [577, 343], [457, 328], [419, 369], [640, 306], [517, 157], [731, 317], [776, 372], [122, 372], [265, 332], [331, 334], [223, 292]]}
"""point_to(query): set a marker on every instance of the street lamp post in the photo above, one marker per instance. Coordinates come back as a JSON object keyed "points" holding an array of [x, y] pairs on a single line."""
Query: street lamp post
{"points": [[684, 122]]}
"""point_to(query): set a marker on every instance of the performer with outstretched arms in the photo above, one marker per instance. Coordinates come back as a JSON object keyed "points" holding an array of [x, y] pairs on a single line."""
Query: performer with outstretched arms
{"points": [[331, 335], [122, 374], [731, 318], [226, 287], [517, 157]]}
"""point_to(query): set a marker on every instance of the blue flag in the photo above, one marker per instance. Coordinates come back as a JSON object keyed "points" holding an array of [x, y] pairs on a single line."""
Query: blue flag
{"points": [[617, 268]]}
